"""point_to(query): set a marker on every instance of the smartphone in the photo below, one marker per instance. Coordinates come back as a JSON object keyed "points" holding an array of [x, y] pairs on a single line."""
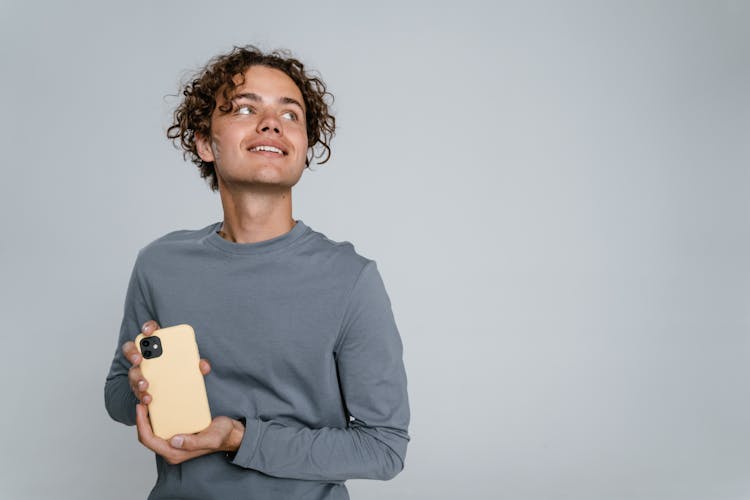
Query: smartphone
{"points": [[179, 403]]}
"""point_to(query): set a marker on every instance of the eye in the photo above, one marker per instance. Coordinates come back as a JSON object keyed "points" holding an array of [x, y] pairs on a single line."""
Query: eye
{"points": [[244, 109], [291, 115]]}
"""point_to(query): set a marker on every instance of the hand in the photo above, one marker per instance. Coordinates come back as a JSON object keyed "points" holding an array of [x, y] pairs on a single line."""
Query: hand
{"points": [[138, 384], [224, 434]]}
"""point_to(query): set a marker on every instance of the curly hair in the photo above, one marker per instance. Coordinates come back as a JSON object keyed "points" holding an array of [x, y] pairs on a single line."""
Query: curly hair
{"points": [[193, 115]]}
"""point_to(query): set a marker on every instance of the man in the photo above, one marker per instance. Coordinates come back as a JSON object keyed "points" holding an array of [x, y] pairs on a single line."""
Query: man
{"points": [[303, 360]]}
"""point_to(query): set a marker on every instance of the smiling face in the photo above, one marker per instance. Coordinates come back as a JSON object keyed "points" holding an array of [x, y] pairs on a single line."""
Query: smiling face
{"points": [[262, 139]]}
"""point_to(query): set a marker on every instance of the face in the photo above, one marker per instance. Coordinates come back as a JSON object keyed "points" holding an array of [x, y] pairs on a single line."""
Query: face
{"points": [[263, 138]]}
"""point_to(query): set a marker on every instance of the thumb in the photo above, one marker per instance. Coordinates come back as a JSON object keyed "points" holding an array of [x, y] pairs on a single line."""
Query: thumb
{"points": [[190, 442], [178, 441]]}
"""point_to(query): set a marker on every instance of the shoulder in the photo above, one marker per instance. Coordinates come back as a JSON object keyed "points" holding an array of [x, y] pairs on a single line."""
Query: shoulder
{"points": [[166, 246], [342, 253]]}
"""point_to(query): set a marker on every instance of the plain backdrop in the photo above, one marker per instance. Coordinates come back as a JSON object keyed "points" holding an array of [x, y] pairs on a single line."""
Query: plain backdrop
{"points": [[556, 193]]}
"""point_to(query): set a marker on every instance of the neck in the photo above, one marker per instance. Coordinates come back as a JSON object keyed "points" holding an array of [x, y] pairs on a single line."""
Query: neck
{"points": [[260, 215]]}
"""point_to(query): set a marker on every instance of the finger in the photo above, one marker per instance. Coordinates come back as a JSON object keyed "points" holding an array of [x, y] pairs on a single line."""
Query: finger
{"points": [[135, 376], [149, 327], [130, 351], [211, 438], [142, 425], [138, 384], [195, 442], [205, 366]]}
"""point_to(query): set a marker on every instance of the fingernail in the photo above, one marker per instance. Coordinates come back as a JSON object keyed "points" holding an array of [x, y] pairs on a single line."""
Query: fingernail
{"points": [[133, 358], [141, 384], [145, 326], [177, 441]]}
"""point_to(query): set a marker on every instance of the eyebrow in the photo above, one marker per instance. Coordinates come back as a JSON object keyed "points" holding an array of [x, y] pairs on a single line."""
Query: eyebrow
{"points": [[255, 97]]}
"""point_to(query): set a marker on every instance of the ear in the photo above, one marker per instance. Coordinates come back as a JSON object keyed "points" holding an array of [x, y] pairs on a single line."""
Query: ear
{"points": [[203, 145]]}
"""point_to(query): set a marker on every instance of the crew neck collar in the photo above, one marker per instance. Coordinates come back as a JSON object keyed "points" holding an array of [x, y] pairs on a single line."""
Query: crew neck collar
{"points": [[259, 247]]}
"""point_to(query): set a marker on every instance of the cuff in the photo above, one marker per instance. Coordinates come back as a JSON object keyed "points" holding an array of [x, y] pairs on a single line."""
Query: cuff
{"points": [[250, 443]]}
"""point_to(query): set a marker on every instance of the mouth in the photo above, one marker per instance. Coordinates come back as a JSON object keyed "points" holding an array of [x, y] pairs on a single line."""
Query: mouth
{"points": [[268, 150]]}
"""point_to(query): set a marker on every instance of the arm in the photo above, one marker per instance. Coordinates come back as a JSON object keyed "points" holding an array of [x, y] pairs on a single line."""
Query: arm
{"points": [[122, 390], [118, 396], [373, 384]]}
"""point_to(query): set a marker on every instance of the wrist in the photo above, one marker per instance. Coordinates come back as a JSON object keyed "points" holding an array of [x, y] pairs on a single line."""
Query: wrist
{"points": [[235, 436]]}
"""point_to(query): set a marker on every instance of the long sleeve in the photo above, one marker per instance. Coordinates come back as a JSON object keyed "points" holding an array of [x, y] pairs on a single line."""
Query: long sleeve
{"points": [[373, 384], [118, 398]]}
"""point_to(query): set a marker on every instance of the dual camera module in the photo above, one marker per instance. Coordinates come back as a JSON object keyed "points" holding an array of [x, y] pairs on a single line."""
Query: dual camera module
{"points": [[151, 347]]}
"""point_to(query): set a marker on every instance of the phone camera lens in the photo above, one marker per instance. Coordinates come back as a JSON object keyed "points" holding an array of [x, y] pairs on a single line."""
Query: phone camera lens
{"points": [[147, 354], [145, 343]]}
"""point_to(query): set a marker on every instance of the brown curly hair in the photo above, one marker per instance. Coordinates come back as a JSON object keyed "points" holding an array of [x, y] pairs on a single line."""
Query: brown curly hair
{"points": [[193, 115]]}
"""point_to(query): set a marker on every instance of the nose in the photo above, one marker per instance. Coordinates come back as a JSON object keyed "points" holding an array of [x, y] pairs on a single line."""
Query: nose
{"points": [[269, 122]]}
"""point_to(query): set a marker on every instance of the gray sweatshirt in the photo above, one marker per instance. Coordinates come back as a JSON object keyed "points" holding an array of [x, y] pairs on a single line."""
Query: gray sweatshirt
{"points": [[303, 346]]}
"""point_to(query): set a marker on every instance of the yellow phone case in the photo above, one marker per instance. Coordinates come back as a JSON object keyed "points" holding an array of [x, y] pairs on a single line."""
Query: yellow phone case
{"points": [[179, 403]]}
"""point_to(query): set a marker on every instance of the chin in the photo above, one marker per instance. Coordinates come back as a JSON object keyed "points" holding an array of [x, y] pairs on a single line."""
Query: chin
{"points": [[258, 182]]}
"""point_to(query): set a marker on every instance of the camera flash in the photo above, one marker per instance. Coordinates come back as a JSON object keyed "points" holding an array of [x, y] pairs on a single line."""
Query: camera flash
{"points": [[156, 346]]}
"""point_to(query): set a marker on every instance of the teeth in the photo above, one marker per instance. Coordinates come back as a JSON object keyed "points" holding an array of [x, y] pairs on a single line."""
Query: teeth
{"points": [[267, 148]]}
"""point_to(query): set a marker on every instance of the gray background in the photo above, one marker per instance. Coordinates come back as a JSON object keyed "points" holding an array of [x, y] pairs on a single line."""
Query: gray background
{"points": [[556, 195]]}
